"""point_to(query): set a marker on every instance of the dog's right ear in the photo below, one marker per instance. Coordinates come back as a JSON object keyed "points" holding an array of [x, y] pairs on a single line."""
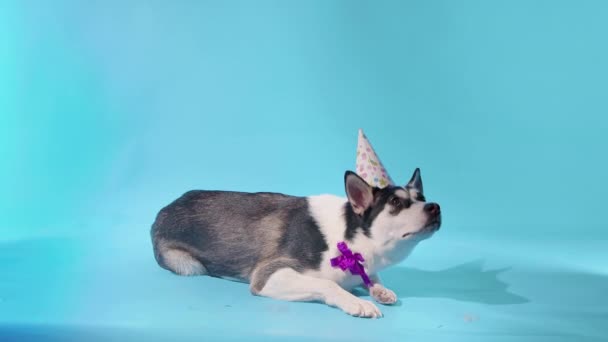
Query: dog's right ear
{"points": [[359, 193], [416, 181]]}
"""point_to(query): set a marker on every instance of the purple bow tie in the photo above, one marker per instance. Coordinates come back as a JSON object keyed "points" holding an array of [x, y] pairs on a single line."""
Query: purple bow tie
{"points": [[351, 261]]}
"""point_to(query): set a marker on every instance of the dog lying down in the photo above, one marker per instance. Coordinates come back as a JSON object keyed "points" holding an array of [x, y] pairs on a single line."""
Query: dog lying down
{"points": [[283, 245]]}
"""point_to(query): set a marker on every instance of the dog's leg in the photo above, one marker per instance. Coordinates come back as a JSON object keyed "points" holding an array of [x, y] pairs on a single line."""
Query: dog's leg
{"points": [[380, 293], [287, 284]]}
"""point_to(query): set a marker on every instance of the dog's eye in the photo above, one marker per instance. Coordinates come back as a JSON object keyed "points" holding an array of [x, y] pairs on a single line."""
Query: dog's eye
{"points": [[396, 201]]}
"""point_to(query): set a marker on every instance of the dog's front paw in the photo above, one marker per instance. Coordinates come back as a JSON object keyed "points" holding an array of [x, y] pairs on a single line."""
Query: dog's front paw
{"points": [[358, 307], [383, 295]]}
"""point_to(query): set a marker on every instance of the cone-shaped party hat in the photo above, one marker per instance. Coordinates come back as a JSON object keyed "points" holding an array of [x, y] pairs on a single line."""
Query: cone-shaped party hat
{"points": [[369, 166]]}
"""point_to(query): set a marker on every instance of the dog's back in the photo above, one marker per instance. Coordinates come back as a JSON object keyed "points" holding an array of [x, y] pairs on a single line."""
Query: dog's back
{"points": [[229, 234]]}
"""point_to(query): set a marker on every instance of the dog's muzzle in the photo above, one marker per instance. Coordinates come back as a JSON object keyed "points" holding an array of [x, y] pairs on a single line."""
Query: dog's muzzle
{"points": [[433, 211]]}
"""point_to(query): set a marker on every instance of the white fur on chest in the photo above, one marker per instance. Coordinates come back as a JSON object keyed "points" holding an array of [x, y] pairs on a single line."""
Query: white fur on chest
{"points": [[328, 212]]}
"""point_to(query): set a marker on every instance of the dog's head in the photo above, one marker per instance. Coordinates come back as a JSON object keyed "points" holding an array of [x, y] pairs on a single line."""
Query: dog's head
{"points": [[393, 213]]}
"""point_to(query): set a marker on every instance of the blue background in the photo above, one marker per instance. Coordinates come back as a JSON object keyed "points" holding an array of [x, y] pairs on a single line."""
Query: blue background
{"points": [[110, 111]]}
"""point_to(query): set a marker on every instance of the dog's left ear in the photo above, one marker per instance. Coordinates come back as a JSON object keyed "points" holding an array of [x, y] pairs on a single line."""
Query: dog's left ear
{"points": [[416, 181], [359, 193]]}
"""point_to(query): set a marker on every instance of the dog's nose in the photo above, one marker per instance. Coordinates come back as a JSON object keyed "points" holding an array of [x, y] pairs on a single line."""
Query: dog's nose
{"points": [[432, 208]]}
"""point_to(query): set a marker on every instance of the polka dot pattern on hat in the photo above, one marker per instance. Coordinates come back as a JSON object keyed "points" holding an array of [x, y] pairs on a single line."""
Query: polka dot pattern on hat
{"points": [[369, 167]]}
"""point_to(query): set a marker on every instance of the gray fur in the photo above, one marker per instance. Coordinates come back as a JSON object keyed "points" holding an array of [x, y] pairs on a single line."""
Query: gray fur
{"points": [[231, 234]]}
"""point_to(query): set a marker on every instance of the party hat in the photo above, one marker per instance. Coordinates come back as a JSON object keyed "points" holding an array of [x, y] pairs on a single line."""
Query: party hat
{"points": [[369, 166]]}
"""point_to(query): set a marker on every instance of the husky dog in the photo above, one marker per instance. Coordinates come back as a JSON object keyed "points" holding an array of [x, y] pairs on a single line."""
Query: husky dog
{"points": [[282, 245]]}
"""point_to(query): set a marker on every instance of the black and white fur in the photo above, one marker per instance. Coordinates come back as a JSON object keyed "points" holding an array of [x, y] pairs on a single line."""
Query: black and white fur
{"points": [[282, 245]]}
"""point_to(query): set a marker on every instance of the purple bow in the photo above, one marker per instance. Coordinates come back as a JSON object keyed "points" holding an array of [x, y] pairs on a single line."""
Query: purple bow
{"points": [[351, 261]]}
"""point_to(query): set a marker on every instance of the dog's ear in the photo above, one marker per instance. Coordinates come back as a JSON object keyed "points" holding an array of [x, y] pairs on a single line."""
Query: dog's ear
{"points": [[359, 193], [416, 181]]}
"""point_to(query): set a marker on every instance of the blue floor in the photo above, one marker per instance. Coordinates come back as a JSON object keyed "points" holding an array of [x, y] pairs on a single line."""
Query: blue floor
{"points": [[451, 289]]}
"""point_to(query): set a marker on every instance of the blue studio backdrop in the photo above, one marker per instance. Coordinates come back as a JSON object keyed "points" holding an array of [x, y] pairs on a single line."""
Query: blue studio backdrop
{"points": [[110, 110]]}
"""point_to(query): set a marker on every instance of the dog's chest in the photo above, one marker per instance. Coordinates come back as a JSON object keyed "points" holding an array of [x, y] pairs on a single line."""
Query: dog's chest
{"points": [[372, 264], [328, 213]]}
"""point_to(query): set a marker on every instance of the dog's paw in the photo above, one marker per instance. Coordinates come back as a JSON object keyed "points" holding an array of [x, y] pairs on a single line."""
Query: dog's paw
{"points": [[359, 307], [383, 295]]}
